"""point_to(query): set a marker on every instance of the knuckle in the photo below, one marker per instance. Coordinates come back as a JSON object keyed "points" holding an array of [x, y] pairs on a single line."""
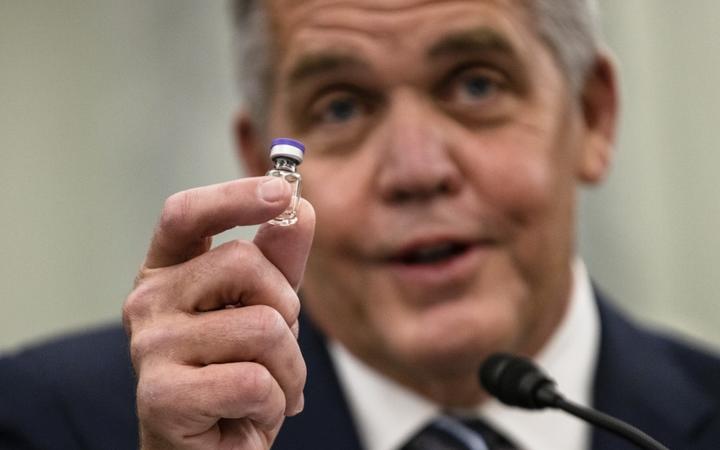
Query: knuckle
{"points": [[277, 412], [239, 258], [301, 375], [154, 396], [294, 306], [137, 304], [176, 211], [298, 371], [142, 276], [296, 384], [270, 323], [242, 253], [259, 383], [144, 396], [262, 394], [146, 342], [149, 300], [295, 329]]}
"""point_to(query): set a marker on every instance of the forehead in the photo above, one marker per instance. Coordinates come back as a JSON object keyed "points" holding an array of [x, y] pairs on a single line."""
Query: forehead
{"points": [[394, 27]]}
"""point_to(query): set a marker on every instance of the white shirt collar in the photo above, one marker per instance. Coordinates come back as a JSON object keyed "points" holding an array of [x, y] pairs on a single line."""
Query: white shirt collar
{"points": [[387, 414]]}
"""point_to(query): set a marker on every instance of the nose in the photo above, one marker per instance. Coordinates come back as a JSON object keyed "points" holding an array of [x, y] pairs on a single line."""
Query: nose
{"points": [[416, 162]]}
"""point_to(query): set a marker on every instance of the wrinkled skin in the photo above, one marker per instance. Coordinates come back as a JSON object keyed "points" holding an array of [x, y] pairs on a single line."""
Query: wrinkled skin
{"points": [[431, 123], [444, 152]]}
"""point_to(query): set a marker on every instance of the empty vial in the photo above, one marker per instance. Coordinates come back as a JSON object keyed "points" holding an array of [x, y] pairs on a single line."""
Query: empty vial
{"points": [[286, 154]]}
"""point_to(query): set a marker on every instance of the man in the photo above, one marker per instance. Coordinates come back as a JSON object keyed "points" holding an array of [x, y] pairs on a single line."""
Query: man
{"points": [[445, 143]]}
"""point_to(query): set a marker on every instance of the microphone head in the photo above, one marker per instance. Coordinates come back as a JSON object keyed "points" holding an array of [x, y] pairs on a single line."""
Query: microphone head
{"points": [[515, 381]]}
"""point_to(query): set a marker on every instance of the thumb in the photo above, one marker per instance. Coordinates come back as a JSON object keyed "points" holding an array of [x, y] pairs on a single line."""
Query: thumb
{"points": [[288, 247]]}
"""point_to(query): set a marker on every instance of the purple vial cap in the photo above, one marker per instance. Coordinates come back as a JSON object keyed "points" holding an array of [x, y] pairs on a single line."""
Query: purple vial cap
{"points": [[287, 141]]}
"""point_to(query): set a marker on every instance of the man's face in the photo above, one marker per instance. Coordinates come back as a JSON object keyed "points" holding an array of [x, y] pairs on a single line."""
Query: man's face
{"points": [[443, 150]]}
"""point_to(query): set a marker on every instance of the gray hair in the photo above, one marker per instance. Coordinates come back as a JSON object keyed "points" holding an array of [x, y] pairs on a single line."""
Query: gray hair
{"points": [[569, 28], [253, 58]]}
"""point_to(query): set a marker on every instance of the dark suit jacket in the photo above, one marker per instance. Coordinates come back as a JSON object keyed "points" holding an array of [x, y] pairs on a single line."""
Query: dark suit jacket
{"points": [[78, 392]]}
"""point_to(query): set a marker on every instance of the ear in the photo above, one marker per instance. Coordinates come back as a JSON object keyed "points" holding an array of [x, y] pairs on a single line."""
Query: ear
{"points": [[600, 98], [249, 145]]}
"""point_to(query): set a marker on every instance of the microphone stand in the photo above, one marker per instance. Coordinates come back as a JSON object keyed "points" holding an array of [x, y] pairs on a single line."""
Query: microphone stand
{"points": [[516, 381], [609, 423]]}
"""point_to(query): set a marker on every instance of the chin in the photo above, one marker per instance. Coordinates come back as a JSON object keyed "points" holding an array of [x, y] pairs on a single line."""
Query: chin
{"points": [[453, 339]]}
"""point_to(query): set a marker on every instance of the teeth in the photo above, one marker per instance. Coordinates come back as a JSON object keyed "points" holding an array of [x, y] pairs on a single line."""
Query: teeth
{"points": [[432, 254]]}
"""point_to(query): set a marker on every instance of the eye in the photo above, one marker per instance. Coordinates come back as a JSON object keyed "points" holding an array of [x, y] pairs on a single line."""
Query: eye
{"points": [[339, 113], [337, 108], [477, 87], [472, 86]]}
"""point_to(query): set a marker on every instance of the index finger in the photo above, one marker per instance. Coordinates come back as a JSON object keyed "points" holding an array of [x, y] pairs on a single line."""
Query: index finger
{"points": [[190, 218]]}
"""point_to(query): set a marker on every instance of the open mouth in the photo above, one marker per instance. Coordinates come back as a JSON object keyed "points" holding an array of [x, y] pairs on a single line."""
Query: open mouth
{"points": [[432, 254]]}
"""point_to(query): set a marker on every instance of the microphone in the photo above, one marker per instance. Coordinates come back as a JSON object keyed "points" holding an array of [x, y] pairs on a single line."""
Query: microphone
{"points": [[516, 381]]}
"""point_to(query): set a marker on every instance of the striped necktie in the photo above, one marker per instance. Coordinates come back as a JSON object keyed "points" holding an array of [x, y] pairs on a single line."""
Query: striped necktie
{"points": [[450, 433]]}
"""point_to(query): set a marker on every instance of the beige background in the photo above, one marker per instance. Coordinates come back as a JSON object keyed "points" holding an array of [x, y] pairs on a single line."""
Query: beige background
{"points": [[108, 107]]}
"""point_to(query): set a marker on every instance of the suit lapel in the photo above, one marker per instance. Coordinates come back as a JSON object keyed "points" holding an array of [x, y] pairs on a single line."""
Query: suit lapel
{"points": [[640, 380], [325, 423]]}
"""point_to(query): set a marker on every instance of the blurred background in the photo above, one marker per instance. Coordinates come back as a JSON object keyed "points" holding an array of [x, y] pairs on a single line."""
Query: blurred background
{"points": [[108, 107]]}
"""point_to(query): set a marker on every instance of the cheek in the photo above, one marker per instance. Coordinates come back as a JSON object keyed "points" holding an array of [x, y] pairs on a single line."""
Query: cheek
{"points": [[528, 178], [339, 192], [526, 167], [516, 176]]}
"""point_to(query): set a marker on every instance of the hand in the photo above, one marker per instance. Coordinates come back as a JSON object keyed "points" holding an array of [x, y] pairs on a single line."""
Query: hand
{"points": [[213, 332]]}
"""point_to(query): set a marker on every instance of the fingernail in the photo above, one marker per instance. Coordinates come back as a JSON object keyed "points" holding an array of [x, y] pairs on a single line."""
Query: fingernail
{"points": [[272, 189], [300, 406]]}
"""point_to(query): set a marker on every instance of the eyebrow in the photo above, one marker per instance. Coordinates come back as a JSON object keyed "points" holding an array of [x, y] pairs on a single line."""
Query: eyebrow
{"points": [[312, 65], [471, 41], [468, 41]]}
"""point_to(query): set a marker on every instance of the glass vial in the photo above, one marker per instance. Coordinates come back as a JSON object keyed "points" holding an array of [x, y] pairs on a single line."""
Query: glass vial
{"points": [[286, 154]]}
